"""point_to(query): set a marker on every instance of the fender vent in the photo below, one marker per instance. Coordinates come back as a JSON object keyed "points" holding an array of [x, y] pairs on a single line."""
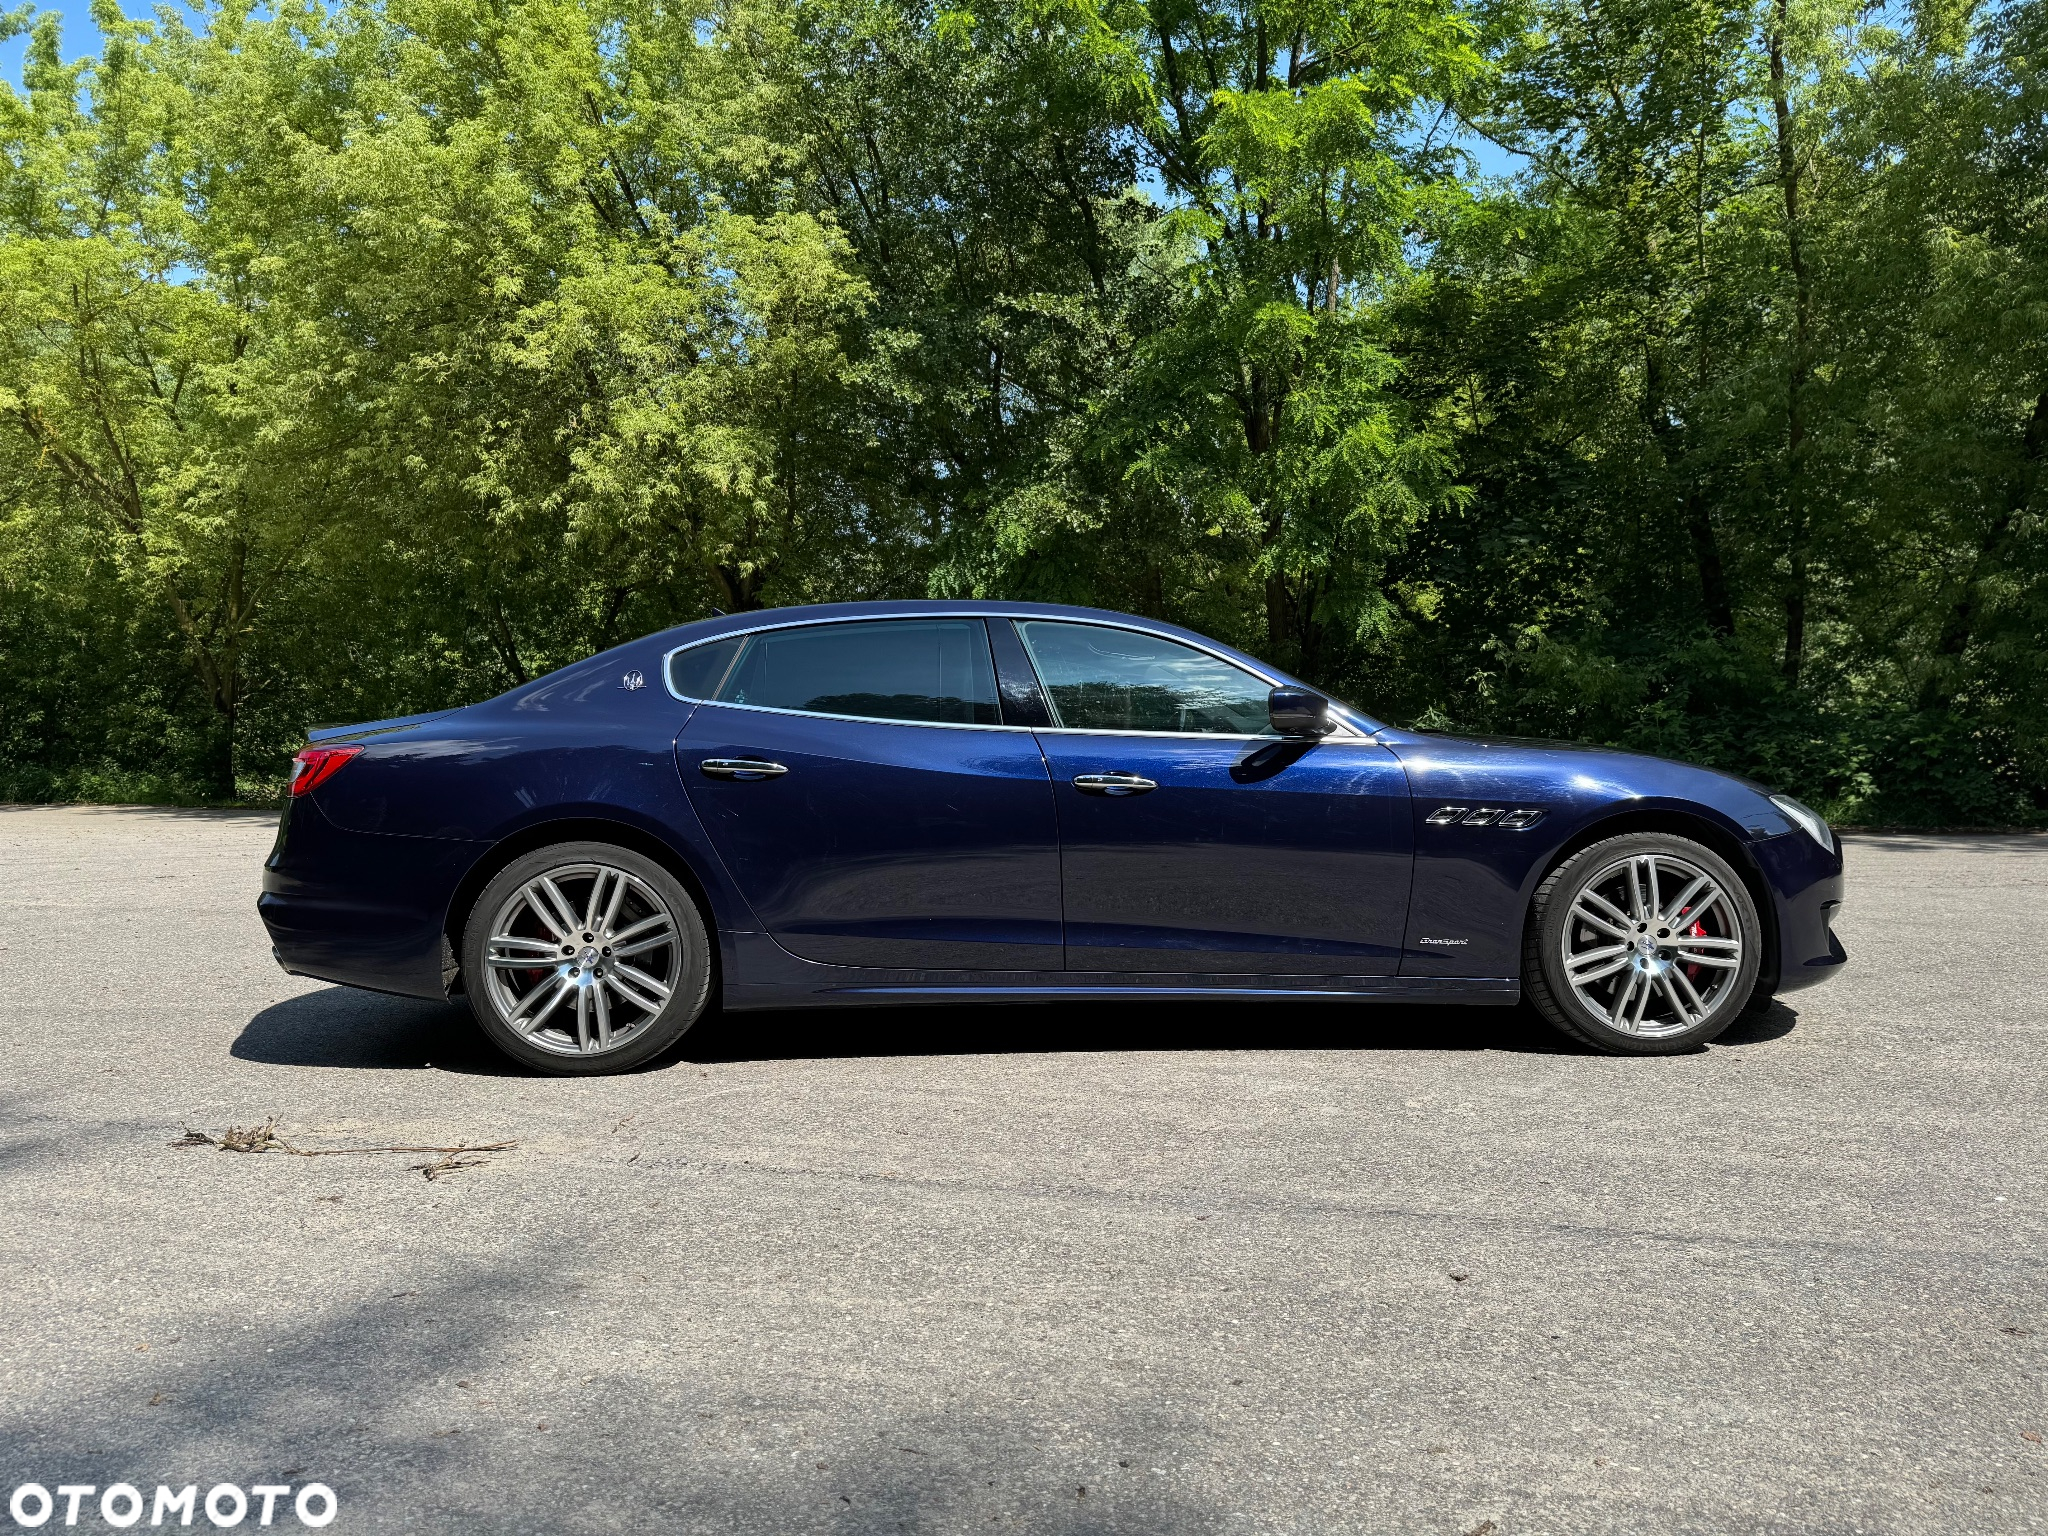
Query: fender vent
{"points": [[1513, 820]]}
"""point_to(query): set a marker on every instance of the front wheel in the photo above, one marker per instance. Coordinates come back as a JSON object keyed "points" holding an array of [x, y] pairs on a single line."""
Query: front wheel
{"points": [[1645, 944], [585, 958]]}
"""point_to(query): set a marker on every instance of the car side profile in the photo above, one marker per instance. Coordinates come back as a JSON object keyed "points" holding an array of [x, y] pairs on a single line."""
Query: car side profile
{"points": [[930, 801]]}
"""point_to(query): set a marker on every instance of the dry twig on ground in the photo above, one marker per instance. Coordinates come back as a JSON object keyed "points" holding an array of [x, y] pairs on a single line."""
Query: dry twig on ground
{"points": [[264, 1138]]}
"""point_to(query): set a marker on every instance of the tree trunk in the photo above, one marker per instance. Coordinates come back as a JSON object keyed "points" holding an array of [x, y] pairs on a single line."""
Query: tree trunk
{"points": [[1693, 508], [1151, 591], [1699, 514], [1261, 406], [220, 756], [1799, 367], [216, 651], [1279, 610], [740, 590], [1957, 628], [1706, 554], [508, 645]]}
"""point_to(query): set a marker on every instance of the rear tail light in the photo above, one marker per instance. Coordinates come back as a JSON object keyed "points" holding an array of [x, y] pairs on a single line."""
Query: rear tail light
{"points": [[316, 765]]}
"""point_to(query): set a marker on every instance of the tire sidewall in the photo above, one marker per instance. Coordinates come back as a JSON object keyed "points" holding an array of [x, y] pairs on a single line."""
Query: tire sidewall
{"points": [[1577, 872], [686, 1003]]}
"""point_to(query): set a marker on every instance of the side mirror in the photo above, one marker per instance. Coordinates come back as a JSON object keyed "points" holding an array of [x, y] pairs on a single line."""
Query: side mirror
{"points": [[1298, 712]]}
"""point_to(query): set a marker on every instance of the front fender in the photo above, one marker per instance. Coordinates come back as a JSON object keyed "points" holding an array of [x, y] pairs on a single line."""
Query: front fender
{"points": [[1473, 884]]}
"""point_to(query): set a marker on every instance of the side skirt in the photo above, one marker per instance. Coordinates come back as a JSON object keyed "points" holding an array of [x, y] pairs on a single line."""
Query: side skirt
{"points": [[1014, 987]]}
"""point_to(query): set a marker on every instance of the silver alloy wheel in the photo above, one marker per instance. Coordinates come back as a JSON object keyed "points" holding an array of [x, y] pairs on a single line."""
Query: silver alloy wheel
{"points": [[1652, 945], [581, 959]]}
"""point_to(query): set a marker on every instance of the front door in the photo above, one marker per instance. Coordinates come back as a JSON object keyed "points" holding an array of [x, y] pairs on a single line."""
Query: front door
{"points": [[1194, 839], [858, 782]]}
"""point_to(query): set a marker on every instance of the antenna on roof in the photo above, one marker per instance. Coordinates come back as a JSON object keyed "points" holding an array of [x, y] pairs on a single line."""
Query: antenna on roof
{"points": [[720, 611]]}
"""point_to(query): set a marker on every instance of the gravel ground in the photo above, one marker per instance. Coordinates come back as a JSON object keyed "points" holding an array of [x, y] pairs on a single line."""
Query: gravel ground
{"points": [[1306, 1269]]}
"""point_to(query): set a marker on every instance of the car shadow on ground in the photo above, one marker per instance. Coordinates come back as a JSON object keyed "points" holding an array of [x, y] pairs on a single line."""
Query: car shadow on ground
{"points": [[1008, 1029], [342, 1027]]}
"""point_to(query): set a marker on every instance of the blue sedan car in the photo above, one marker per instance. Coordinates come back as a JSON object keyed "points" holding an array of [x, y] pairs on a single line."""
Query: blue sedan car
{"points": [[931, 801]]}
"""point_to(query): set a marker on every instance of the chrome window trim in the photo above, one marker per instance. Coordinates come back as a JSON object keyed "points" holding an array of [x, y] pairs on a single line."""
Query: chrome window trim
{"points": [[1342, 733], [1349, 731], [813, 714]]}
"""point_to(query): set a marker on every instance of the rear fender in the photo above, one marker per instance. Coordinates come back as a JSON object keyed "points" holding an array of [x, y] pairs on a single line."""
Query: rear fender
{"points": [[692, 864]]}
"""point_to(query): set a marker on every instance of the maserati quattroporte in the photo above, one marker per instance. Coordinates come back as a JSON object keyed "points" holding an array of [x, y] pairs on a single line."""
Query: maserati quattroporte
{"points": [[919, 801]]}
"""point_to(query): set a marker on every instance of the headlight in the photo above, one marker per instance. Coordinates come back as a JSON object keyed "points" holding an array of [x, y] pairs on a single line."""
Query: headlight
{"points": [[1811, 820]]}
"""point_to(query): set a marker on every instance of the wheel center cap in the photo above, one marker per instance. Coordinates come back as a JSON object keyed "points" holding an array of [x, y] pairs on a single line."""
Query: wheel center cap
{"points": [[588, 959], [1646, 946]]}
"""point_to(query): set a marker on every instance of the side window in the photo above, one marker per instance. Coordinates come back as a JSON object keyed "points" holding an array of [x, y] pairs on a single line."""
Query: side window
{"points": [[1103, 679], [929, 670], [697, 672]]}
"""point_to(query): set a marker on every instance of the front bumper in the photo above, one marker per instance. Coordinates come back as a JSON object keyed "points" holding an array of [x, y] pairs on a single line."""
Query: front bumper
{"points": [[1806, 890]]}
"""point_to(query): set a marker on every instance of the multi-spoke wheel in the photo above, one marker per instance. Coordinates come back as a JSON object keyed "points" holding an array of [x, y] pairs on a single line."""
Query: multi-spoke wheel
{"points": [[1647, 943], [585, 957]]}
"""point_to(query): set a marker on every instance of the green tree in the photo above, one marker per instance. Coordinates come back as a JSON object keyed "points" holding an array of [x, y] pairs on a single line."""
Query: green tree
{"points": [[370, 357], [137, 390], [1259, 406]]}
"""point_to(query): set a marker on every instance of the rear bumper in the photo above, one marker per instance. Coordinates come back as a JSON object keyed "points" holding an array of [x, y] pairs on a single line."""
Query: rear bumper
{"points": [[361, 908]]}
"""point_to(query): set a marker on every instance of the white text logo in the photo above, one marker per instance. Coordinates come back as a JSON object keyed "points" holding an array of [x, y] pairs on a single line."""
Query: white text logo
{"points": [[121, 1505]]}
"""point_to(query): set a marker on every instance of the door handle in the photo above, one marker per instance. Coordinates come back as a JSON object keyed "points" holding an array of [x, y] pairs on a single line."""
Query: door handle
{"points": [[741, 768], [1113, 783]]}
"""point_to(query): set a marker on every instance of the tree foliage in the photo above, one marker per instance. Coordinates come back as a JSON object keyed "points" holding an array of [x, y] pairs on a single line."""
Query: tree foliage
{"points": [[1664, 372]]}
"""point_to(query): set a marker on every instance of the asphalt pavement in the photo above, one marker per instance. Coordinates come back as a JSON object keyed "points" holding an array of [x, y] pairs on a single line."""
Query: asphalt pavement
{"points": [[1310, 1268]]}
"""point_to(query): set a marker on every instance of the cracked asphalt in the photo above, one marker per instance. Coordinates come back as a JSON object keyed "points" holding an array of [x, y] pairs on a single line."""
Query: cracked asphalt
{"points": [[1075, 1269]]}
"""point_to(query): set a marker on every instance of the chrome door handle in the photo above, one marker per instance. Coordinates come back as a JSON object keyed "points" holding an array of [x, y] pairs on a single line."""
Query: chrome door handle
{"points": [[1112, 783], [741, 768]]}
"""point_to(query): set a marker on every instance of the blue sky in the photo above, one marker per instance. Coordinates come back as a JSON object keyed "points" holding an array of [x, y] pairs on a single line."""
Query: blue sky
{"points": [[81, 37]]}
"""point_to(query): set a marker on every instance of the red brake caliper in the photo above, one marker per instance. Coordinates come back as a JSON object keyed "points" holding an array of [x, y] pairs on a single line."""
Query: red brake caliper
{"points": [[1697, 931]]}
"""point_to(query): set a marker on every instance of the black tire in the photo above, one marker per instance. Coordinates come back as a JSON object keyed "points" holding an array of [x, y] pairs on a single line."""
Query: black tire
{"points": [[1672, 976], [582, 975]]}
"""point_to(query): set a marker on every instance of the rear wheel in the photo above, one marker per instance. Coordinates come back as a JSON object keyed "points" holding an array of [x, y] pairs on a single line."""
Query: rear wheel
{"points": [[585, 958], [1646, 944]]}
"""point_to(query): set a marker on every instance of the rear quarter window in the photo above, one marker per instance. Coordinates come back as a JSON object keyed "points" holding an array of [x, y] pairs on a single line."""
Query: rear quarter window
{"points": [[696, 673]]}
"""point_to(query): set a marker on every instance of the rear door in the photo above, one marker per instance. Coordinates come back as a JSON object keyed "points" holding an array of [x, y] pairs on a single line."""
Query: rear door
{"points": [[1193, 838], [865, 795]]}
